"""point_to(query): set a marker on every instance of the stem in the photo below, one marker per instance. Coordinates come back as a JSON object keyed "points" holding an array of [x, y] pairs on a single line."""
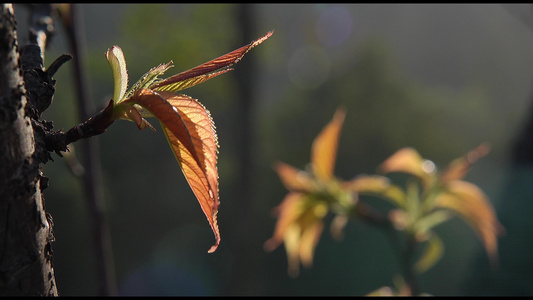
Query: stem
{"points": [[406, 255], [97, 124], [409, 273]]}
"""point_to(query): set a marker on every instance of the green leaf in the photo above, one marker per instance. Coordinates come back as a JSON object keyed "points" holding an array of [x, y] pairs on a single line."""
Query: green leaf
{"points": [[432, 254], [117, 62], [428, 222], [149, 78]]}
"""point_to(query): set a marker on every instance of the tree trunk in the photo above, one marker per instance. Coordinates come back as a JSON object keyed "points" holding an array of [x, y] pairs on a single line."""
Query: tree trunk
{"points": [[245, 279], [26, 267]]}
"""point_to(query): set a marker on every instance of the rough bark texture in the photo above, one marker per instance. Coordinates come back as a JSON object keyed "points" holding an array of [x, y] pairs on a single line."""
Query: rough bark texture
{"points": [[26, 267]]}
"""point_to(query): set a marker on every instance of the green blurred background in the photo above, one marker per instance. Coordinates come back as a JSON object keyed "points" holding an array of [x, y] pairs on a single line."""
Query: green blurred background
{"points": [[439, 78]]}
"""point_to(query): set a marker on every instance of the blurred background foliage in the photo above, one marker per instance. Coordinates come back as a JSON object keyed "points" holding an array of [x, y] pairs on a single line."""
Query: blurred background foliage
{"points": [[438, 78]]}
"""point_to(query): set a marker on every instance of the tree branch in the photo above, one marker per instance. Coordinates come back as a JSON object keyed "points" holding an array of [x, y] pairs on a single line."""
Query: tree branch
{"points": [[58, 141]]}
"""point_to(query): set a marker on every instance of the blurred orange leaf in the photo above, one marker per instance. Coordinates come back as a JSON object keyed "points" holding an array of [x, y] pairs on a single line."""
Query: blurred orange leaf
{"points": [[300, 214], [324, 149], [471, 203], [408, 160], [458, 168], [378, 186], [299, 226], [286, 213], [294, 179]]}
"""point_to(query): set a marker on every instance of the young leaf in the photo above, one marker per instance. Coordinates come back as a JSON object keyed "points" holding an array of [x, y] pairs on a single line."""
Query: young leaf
{"points": [[458, 168], [324, 148], [187, 124], [406, 160], [287, 213], [195, 75], [431, 255], [301, 213], [471, 203], [378, 186], [294, 179], [148, 79], [189, 82], [117, 62], [190, 132], [299, 226], [308, 241]]}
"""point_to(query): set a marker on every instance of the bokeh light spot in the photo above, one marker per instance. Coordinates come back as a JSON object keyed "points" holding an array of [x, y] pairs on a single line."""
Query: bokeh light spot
{"points": [[333, 26]]}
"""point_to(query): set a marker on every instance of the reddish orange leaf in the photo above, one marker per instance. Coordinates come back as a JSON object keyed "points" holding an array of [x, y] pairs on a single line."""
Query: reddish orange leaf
{"points": [[187, 123], [324, 149], [190, 82], [190, 132], [218, 63]]}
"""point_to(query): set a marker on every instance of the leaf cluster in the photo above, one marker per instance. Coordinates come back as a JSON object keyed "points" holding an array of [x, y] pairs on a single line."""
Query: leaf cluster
{"points": [[428, 198], [187, 124]]}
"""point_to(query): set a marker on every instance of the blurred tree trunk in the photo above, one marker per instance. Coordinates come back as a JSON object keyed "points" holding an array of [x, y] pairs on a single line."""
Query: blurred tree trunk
{"points": [[71, 15], [244, 240], [25, 231]]}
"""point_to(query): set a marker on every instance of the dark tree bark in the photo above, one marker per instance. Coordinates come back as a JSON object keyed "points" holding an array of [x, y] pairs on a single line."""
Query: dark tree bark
{"points": [[26, 267]]}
